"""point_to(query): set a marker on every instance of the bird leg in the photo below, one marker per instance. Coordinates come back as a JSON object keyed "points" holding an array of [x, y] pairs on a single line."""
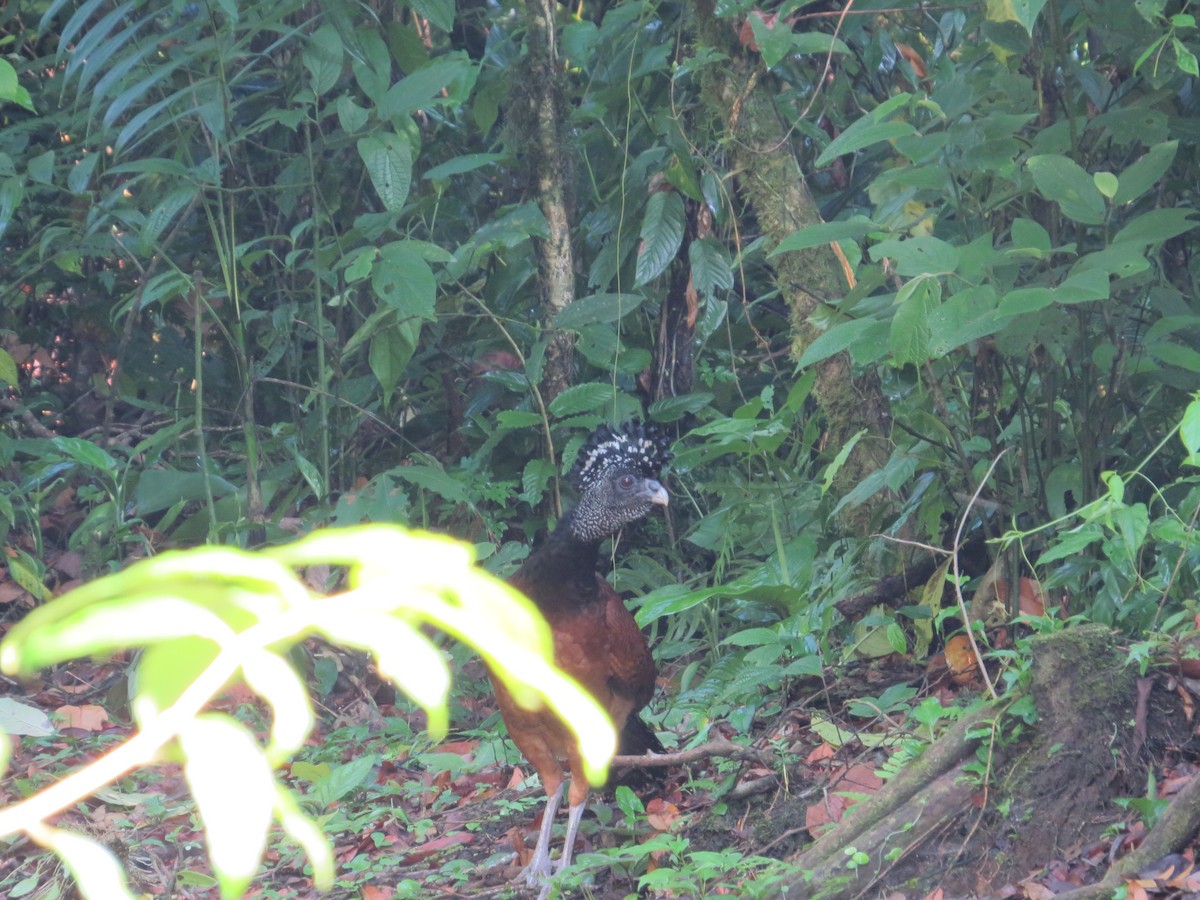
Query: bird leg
{"points": [[539, 866], [572, 830]]}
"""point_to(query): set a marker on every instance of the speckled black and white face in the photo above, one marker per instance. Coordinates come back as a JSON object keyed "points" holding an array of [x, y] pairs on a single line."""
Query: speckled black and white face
{"points": [[617, 476]]}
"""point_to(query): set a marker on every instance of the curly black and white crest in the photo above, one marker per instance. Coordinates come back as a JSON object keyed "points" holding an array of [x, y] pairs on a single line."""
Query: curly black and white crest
{"points": [[635, 447]]}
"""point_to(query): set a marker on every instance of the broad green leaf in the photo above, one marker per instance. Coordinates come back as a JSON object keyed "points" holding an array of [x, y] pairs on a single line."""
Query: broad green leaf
{"points": [[1189, 428], [1066, 183], [918, 256], [774, 41], [1027, 12], [863, 133], [596, 309], [388, 158], [159, 489], [1176, 355], [671, 409], [870, 129], [711, 270], [1120, 259], [1185, 58], [436, 480], [581, 398], [41, 168], [10, 89], [8, 369], [235, 794], [1027, 233], [1142, 175], [389, 352], [911, 332], [404, 281], [444, 80], [27, 573], [661, 235], [343, 779], [86, 453], [1157, 225], [440, 13], [966, 316], [824, 233], [1083, 286], [323, 58], [462, 164], [834, 341], [1106, 183]]}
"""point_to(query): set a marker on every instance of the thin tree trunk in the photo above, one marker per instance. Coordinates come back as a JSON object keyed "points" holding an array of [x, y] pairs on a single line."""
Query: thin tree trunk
{"points": [[543, 115]]}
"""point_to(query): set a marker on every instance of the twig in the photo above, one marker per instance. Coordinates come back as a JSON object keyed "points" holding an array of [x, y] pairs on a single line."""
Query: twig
{"points": [[962, 603]]}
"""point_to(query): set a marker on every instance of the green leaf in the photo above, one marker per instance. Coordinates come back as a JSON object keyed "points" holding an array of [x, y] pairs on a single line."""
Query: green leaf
{"points": [[8, 369], [86, 453], [440, 13], [1029, 234], [1185, 58], [870, 129], [918, 256], [323, 58], [436, 480], [661, 235], [1106, 183], [442, 81], [911, 334], [581, 398], [462, 164], [1027, 11], [834, 341], [1142, 175], [1189, 428], [235, 793], [1157, 225], [711, 269], [1066, 183], [1176, 355], [671, 409], [596, 309], [824, 233], [774, 41], [388, 158], [159, 489], [403, 280]]}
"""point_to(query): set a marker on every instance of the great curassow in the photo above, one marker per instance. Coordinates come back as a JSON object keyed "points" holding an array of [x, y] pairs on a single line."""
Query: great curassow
{"points": [[596, 639]]}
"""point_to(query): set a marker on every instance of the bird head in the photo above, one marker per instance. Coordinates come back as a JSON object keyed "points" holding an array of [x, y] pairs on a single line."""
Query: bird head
{"points": [[617, 475]]}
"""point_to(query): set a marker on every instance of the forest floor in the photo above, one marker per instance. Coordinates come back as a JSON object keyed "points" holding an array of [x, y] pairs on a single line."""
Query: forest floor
{"points": [[409, 817]]}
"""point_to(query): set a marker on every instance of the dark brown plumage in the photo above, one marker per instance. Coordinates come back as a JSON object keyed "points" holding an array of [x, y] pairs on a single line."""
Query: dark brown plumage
{"points": [[596, 639]]}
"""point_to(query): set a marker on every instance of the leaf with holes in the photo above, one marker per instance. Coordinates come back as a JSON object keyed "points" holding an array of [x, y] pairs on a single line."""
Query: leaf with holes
{"points": [[388, 158]]}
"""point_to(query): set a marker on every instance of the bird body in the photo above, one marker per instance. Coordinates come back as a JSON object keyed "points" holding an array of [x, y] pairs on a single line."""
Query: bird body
{"points": [[596, 639]]}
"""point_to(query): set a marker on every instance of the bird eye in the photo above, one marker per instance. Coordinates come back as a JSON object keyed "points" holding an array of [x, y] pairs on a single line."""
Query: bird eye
{"points": [[626, 482]]}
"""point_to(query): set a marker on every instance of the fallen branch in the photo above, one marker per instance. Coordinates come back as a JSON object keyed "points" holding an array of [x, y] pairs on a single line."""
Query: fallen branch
{"points": [[704, 751]]}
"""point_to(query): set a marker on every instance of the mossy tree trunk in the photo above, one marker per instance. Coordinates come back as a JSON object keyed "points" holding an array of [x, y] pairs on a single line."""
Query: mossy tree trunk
{"points": [[540, 113], [771, 182]]}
